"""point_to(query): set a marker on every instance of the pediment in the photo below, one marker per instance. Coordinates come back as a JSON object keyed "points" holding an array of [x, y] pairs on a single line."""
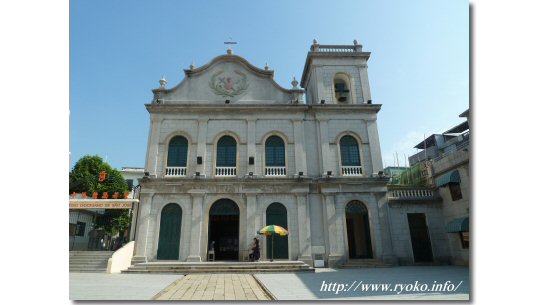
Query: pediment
{"points": [[228, 77]]}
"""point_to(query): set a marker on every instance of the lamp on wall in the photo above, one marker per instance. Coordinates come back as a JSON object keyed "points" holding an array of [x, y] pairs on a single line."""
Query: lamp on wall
{"points": [[227, 101], [322, 101]]}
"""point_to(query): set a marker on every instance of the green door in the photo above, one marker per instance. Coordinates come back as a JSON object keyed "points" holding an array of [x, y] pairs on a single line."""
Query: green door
{"points": [[277, 215], [169, 232]]}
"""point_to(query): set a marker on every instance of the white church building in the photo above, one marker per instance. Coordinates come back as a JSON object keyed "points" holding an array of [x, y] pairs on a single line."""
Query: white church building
{"points": [[231, 151]]}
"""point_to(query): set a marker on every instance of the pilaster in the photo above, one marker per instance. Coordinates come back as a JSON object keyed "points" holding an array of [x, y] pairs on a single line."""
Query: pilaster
{"points": [[303, 221], [324, 142], [300, 154], [201, 145], [196, 228], [153, 145], [251, 146], [143, 226]]}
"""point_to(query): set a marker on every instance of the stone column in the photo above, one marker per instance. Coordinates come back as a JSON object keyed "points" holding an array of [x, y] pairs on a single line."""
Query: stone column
{"points": [[387, 254], [152, 154], [375, 147], [251, 145], [324, 143], [365, 85], [143, 226], [300, 154], [251, 218], [196, 228], [200, 146], [303, 222], [335, 255]]}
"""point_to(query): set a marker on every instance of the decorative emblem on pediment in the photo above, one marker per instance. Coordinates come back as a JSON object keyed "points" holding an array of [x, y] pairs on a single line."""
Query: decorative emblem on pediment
{"points": [[228, 85]]}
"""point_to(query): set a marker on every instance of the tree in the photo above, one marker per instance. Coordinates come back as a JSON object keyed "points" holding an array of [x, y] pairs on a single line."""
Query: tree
{"points": [[84, 177]]}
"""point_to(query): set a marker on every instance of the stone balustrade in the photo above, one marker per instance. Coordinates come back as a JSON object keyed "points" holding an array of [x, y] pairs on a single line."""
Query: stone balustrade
{"points": [[351, 171], [275, 171], [221, 171], [175, 171]]}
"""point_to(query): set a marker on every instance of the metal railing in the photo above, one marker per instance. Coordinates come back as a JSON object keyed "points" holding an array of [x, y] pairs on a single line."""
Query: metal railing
{"points": [[411, 194], [221, 171], [335, 48], [275, 171], [175, 171], [351, 170]]}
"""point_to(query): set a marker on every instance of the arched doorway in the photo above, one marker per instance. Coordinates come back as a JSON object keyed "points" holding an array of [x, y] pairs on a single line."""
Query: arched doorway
{"points": [[277, 214], [169, 232], [358, 230], [224, 229]]}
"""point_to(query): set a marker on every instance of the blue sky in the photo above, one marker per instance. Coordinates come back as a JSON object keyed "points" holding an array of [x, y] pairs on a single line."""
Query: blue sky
{"points": [[418, 69]]}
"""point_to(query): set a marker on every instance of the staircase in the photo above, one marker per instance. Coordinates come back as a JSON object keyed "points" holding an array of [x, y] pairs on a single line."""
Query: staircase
{"points": [[220, 267], [88, 261], [364, 263]]}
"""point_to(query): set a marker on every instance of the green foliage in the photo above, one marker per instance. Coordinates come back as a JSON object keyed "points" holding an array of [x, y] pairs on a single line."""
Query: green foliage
{"points": [[84, 177], [113, 221]]}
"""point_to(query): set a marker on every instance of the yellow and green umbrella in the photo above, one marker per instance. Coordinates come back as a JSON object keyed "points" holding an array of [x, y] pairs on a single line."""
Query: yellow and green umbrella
{"points": [[273, 230]]}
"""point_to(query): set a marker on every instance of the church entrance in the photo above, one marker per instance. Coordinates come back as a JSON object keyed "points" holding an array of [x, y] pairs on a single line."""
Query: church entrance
{"points": [[358, 230], [224, 229]]}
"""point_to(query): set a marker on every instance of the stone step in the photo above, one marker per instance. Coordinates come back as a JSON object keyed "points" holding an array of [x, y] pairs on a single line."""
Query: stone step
{"points": [[90, 253], [218, 267], [89, 261], [216, 271], [87, 270], [93, 265], [367, 263]]}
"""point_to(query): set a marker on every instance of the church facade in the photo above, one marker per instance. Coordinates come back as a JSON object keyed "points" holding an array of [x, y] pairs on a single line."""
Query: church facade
{"points": [[231, 151]]}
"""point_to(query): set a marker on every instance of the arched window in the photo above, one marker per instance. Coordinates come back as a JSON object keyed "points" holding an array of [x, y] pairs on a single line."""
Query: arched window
{"points": [[226, 157], [350, 157], [226, 151], [341, 88], [275, 157], [176, 164]]}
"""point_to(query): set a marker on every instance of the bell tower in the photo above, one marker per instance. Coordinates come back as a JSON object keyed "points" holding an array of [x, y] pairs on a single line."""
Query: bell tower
{"points": [[336, 74]]}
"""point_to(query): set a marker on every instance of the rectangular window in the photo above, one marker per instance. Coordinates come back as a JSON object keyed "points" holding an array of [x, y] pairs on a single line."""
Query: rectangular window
{"points": [[81, 228], [464, 237], [129, 183], [455, 191]]}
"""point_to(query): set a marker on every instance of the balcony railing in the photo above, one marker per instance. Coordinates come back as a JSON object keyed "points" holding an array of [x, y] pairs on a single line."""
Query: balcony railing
{"points": [[226, 171], [275, 171], [411, 194], [175, 171], [351, 170]]}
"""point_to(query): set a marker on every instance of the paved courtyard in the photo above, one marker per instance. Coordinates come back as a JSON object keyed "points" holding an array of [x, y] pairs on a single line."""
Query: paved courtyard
{"points": [[398, 283], [214, 287]]}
